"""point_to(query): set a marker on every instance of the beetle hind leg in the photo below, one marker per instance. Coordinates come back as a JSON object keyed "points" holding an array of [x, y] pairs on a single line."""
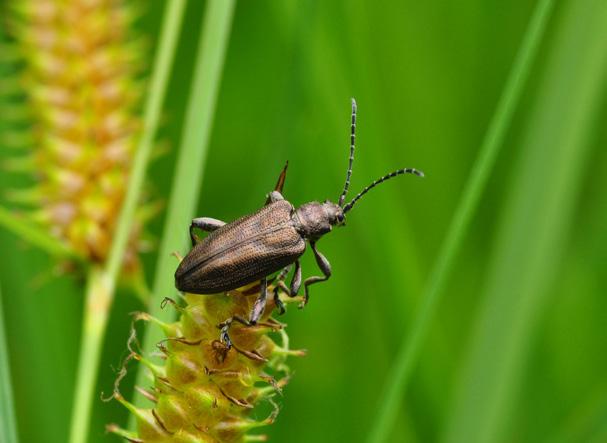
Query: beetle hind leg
{"points": [[279, 185], [206, 224], [275, 196]]}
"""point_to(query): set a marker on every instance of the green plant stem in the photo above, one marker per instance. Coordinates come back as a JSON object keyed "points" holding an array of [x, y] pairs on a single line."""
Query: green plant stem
{"points": [[408, 353], [99, 294], [35, 235], [102, 282], [8, 424], [212, 46]]}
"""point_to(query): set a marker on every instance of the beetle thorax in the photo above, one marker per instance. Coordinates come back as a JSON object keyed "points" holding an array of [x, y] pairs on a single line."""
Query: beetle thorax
{"points": [[315, 219]]}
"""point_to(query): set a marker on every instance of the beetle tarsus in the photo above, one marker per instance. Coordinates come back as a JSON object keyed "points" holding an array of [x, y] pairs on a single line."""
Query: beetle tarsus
{"points": [[277, 301], [225, 338], [225, 327]]}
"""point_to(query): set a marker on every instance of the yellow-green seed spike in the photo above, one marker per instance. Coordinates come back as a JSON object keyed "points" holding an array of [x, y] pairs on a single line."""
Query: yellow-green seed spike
{"points": [[80, 96], [130, 436], [254, 438], [204, 390]]}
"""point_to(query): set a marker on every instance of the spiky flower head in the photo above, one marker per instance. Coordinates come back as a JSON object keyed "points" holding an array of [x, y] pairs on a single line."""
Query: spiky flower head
{"points": [[79, 67], [205, 392]]}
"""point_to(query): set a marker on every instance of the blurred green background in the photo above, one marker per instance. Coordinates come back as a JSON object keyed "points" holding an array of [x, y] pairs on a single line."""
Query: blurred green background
{"points": [[519, 342]]}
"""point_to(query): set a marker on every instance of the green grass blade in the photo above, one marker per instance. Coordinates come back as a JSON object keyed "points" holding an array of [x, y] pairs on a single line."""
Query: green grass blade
{"points": [[409, 351], [212, 46], [8, 425], [588, 418], [32, 234], [534, 225], [102, 282]]}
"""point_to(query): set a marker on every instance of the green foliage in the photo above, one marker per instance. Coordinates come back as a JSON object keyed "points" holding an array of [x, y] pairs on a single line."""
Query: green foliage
{"points": [[8, 425], [460, 223], [516, 349]]}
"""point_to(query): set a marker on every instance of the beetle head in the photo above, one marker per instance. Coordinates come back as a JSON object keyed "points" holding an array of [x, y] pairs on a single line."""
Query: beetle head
{"points": [[335, 213], [316, 219]]}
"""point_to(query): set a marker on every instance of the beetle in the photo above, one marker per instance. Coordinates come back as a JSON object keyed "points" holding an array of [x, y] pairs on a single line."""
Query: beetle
{"points": [[271, 239]]}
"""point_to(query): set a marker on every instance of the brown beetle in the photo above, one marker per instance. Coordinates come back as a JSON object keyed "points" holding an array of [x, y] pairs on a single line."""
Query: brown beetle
{"points": [[272, 239]]}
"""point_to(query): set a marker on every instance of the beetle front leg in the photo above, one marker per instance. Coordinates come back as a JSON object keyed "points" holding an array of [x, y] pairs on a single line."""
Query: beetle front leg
{"points": [[324, 266], [206, 224], [260, 304], [225, 327]]}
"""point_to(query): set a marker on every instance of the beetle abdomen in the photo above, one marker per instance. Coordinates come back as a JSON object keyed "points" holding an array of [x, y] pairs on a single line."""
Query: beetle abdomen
{"points": [[242, 252]]}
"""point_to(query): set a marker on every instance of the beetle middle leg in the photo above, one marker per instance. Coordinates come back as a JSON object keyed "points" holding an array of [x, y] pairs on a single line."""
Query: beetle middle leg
{"points": [[206, 224], [324, 266], [256, 313], [260, 304], [290, 291]]}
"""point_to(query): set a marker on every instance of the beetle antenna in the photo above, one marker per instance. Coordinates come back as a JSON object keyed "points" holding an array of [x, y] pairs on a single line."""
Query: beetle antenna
{"points": [[381, 180], [342, 197]]}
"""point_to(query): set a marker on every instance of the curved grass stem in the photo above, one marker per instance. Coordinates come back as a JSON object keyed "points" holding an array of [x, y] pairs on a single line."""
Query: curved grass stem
{"points": [[212, 46], [99, 294], [407, 355], [102, 282]]}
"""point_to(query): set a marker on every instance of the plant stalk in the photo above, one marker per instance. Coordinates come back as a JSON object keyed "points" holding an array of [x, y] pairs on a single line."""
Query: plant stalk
{"points": [[102, 282], [99, 294]]}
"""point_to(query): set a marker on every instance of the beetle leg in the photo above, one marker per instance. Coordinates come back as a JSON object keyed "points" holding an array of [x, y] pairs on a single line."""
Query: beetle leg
{"points": [[290, 291], [280, 183], [324, 266], [206, 224], [277, 301], [275, 196], [282, 274], [225, 327], [260, 304], [296, 281], [280, 284]]}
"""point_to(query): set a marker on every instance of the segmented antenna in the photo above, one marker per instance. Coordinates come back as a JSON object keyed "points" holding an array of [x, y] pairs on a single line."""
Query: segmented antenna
{"points": [[381, 180], [342, 197]]}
